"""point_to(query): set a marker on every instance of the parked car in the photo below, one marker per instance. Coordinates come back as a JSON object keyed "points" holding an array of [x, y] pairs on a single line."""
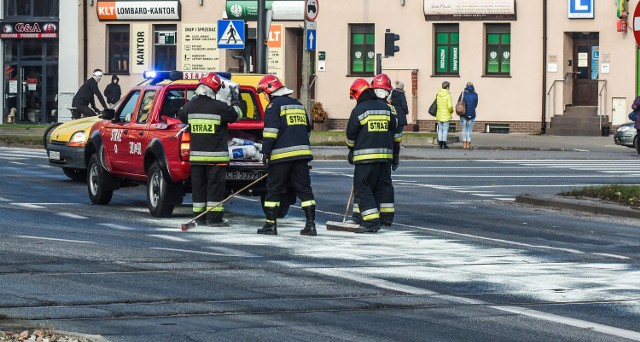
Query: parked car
{"points": [[626, 135], [65, 143]]}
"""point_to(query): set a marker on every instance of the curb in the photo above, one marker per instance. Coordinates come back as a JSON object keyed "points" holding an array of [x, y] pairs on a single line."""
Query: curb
{"points": [[593, 206]]}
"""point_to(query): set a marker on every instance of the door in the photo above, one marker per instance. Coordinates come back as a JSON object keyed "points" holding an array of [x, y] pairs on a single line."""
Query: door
{"points": [[115, 135], [32, 96], [136, 139], [585, 62]]}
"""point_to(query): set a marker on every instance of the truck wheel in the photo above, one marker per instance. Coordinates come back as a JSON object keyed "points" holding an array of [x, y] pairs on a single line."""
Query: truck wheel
{"points": [[47, 133], [96, 180], [285, 203], [160, 193], [75, 174]]}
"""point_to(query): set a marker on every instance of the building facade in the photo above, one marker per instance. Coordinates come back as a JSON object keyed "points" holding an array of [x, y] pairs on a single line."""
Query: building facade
{"points": [[529, 60]]}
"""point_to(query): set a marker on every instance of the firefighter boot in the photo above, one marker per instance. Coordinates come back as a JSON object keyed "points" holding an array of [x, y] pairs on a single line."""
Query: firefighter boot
{"points": [[368, 226], [270, 226], [310, 225]]}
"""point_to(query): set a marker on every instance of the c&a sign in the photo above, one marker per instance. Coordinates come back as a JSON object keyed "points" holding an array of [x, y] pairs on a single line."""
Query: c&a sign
{"points": [[138, 10], [29, 29]]}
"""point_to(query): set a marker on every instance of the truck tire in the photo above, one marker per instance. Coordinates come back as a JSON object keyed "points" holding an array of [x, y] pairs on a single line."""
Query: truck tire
{"points": [[160, 193], [47, 133], [96, 181], [75, 174]]}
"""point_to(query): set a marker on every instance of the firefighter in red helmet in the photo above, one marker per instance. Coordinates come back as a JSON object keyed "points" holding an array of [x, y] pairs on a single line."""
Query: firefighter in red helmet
{"points": [[287, 152], [208, 120]]}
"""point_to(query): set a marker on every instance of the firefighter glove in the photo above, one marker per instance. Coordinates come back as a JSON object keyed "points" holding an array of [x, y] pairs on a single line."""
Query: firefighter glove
{"points": [[350, 157]]}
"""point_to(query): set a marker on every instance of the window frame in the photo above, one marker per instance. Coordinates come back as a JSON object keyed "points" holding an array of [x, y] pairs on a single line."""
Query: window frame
{"points": [[368, 30], [122, 48], [33, 5], [169, 50], [502, 31], [452, 31]]}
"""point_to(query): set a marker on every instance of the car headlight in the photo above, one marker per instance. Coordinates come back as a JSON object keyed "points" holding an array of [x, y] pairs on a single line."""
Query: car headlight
{"points": [[77, 139], [623, 128]]}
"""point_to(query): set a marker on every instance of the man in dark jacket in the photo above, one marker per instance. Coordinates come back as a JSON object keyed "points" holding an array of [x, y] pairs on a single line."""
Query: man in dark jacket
{"points": [[370, 139], [287, 152], [399, 101], [85, 97], [112, 92], [208, 121]]}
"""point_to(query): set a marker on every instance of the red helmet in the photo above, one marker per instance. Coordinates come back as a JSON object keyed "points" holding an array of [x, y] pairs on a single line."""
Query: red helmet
{"points": [[212, 81], [269, 84], [357, 88], [381, 81]]}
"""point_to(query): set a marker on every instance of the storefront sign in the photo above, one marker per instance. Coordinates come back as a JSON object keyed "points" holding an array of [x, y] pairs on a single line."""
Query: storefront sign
{"points": [[140, 48], [282, 9], [275, 59], [199, 47], [29, 30], [469, 10], [138, 10]]}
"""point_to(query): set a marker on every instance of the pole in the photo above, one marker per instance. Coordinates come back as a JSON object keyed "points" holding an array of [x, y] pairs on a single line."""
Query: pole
{"points": [[378, 63], [305, 96], [261, 44]]}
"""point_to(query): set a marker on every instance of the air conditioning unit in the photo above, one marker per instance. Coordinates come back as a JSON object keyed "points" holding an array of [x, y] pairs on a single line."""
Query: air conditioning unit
{"points": [[165, 38]]}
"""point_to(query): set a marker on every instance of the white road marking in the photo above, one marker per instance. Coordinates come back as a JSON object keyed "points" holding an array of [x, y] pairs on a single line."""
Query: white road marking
{"points": [[28, 205], [168, 237], [190, 251], [612, 255], [54, 239], [115, 226], [73, 216], [235, 252], [2, 199]]}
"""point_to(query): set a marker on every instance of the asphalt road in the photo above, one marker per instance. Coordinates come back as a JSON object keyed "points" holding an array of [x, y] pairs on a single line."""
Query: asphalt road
{"points": [[462, 261]]}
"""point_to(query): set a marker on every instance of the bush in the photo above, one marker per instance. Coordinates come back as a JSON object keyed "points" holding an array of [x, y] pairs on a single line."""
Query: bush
{"points": [[318, 114]]}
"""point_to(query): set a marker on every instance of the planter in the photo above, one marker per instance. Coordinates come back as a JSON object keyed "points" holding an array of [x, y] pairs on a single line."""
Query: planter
{"points": [[321, 126]]}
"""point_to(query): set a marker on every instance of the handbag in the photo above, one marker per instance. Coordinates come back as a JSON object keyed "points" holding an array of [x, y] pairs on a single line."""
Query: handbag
{"points": [[632, 116], [433, 109], [461, 107]]}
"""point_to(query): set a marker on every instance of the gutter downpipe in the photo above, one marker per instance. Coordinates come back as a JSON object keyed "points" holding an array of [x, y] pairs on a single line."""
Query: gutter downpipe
{"points": [[544, 66], [85, 53]]}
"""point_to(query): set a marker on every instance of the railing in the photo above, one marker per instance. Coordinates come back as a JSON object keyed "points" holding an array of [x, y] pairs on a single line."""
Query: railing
{"points": [[602, 100], [553, 97]]}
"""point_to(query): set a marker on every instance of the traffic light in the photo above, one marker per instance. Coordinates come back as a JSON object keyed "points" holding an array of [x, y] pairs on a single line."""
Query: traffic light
{"points": [[389, 43]]}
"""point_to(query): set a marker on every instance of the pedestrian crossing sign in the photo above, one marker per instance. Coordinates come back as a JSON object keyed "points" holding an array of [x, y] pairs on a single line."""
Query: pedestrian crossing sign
{"points": [[231, 34]]}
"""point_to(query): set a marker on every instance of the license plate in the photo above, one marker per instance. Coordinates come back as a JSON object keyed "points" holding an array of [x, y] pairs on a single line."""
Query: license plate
{"points": [[243, 175], [54, 155]]}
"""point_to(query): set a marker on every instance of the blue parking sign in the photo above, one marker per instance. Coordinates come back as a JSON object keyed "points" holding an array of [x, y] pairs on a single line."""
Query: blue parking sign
{"points": [[231, 34], [580, 9]]}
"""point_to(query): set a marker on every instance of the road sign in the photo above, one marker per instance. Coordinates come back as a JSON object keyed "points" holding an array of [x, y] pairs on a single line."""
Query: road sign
{"points": [[636, 23], [311, 40], [231, 34], [580, 9], [311, 9]]}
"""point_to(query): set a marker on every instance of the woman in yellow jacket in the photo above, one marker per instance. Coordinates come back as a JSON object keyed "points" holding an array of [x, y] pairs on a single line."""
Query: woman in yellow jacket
{"points": [[443, 115]]}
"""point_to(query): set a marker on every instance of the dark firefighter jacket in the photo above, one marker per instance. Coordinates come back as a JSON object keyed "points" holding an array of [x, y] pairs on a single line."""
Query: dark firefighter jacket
{"points": [[85, 94], [286, 131], [371, 129], [208, 121]]}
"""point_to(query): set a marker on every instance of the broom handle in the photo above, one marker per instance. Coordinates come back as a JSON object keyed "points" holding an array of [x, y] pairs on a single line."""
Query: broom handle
{"points": [[346, 211], [229, 197]]}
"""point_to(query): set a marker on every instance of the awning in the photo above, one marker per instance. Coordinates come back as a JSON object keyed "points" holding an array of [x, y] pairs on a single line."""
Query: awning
{"points": [[469, 10]]}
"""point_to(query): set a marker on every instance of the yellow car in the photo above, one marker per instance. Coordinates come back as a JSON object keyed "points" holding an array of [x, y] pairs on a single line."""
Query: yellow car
{"points": [[65, 142]]}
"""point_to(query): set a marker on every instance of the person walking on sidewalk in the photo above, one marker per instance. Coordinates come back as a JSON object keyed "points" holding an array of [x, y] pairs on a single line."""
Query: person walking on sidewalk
{"points": [[399, 102], [466, 121], [636, 108], [287, 153], [443, 115]]}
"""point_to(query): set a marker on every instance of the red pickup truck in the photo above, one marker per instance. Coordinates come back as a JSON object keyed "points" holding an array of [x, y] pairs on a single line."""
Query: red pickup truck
{"points": [[145, 142]]}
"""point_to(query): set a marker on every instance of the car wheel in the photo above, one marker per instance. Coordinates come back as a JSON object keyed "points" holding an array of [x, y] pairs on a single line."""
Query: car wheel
{"points": [[75, 174], [96, 180], [160, 193], [285, 203], [47, 133]]}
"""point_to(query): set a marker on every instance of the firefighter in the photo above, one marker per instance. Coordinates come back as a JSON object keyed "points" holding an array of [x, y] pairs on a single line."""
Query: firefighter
{"points": [[208, 121], [369, 134], [286, 150]]}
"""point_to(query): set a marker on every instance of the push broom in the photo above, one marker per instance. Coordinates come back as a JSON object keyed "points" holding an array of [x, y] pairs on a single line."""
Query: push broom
{"points": [[192, 223], [344, 226]]}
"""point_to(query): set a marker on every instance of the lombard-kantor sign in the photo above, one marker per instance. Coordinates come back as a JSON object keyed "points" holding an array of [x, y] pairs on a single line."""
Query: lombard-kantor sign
{"points": [[138, 10], [469, 10]]}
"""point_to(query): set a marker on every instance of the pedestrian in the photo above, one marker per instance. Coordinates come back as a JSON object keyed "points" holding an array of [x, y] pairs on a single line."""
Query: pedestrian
{"points": [[443, 115], [208, 120], [369, 133], [85, 97], [399, 101], [636, 108], [112, 92], [286, 151], [470, 98]]}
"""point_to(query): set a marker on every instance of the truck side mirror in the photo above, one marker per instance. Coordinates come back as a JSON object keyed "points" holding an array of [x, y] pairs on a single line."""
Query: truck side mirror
{"points": [[108, 114]]}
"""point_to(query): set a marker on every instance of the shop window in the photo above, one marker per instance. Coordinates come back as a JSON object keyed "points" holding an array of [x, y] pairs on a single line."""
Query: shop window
{"points": [[164, 47], [362, 57], [118, 53], [447, 49], [32, 8], [498, 49]]}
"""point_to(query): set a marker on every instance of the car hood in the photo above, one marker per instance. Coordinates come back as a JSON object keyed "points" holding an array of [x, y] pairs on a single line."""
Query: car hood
{"points": [[64, 132]]}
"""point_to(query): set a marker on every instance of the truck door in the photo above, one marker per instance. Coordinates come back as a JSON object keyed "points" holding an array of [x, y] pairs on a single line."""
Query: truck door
{"points": [[136, 139], [115, 134]]}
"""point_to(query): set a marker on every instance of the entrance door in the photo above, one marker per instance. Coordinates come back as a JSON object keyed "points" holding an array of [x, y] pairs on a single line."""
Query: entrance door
{"points": [[585, 68], [31, 104]]}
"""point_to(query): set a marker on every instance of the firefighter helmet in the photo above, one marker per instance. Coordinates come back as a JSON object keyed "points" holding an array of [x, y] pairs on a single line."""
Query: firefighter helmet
{"points": [[212, 80], [357, 88], [381, 81], [269, 84]]}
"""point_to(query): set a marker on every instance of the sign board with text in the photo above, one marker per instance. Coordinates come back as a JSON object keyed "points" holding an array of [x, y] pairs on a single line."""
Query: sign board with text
{"points": [[138, 10], [281, 9], [199, 48]]}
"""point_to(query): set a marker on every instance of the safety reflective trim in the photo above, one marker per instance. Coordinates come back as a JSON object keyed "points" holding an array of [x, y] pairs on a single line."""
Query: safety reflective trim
{"points": [[270, 133], [269, 204], [307, 203], [271, 130], [380, 112], [393, 109], [276, 156], [397, 137], [216, 209], [351, 143], [270, 221], [375, 118], [209, 154], [373, 151], [199, 205], [208, 159], [204, 116], [288, 111], [370, 211], [203, 122], [371, 217], [212, 204], [239, 111], [387, 208], [356, 208], [373, 156]]}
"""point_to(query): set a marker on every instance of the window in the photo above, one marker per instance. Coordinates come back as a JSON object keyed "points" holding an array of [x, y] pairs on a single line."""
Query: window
{"points": [[498, 49], [447, 49], [118, 53], [145, 106], [362, 60], [128, 107], [173, 101], [164, 47], [32, 8]]}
